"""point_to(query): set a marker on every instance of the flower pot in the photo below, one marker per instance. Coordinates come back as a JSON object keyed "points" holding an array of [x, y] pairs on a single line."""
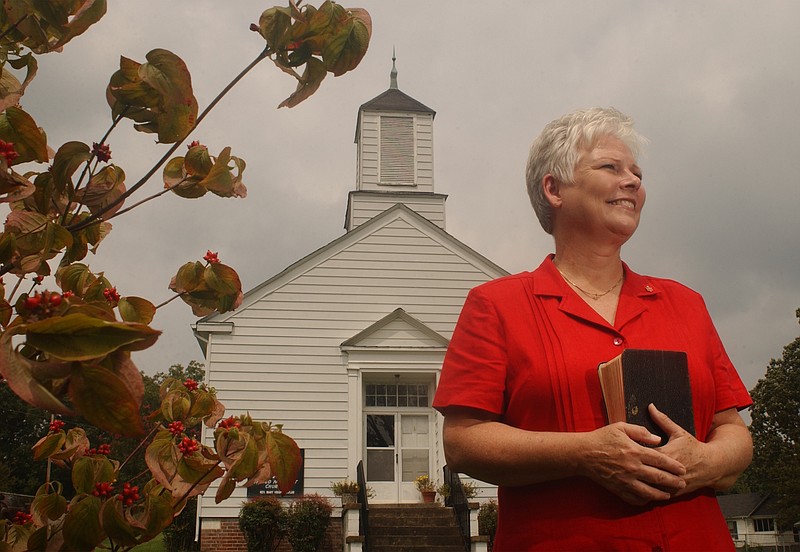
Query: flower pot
{"points": [[428, 496], [349, 498]]}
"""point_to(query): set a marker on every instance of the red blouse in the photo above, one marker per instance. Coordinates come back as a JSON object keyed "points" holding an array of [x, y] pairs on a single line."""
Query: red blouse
{"points": [[526, 347]]}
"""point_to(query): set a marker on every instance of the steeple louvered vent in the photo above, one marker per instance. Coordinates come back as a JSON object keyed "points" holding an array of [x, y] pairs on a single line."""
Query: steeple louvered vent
{"points": [[397, 150]]}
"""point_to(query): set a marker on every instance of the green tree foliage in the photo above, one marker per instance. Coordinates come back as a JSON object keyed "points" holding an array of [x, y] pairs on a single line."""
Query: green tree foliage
{"points": [[776, 433], [21, 474], [22, 426]]}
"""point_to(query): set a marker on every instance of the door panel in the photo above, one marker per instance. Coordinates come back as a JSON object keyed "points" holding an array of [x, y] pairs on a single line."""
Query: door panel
{"points": [[414, 453]]}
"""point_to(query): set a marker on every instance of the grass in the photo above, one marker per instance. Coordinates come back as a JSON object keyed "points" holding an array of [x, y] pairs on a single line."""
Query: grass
{"points": [[155, 545]]}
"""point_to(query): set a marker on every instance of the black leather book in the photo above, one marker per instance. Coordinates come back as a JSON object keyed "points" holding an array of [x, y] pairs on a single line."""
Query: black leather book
{"points": [[638, 377]]}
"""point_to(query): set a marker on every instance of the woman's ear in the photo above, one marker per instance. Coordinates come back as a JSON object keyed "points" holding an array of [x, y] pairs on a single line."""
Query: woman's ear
{"points": [[552, 190]]}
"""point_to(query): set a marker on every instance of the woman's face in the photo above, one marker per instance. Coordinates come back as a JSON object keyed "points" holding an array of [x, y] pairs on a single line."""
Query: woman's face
{"points": [[607, 196]]}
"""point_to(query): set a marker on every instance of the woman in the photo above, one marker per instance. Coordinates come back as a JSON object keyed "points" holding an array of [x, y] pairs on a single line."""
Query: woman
{"points": [[519, 389]]}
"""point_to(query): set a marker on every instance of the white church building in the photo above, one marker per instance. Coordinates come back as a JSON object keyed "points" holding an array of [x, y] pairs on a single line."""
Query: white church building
{"points": [[345, 346]]}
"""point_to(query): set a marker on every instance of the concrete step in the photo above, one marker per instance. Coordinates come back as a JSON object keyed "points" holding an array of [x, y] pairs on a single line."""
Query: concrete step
{"points": [[413, 528]]}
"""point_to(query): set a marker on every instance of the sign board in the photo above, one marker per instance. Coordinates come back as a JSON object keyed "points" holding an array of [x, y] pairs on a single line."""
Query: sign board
{"points": [[270, 488]]}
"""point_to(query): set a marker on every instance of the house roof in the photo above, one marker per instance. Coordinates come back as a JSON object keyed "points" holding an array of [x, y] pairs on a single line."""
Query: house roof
{"points": [[747, 505]]}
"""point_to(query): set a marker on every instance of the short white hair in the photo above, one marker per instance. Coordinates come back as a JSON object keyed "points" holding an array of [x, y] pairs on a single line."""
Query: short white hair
{"points": [[562, 142]]}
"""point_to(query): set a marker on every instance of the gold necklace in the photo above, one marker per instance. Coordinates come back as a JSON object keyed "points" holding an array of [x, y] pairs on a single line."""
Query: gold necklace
{"points": [[594, 296]]}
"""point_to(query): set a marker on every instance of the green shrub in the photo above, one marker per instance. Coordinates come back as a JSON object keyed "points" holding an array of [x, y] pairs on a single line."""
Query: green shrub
{"points": [[179, 536], [263, 523], [308, 520], [487, 519]]}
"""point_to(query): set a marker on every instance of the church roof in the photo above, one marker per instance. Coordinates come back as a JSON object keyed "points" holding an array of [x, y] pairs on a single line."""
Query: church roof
{"points": [[392, 100], [395, 100]]}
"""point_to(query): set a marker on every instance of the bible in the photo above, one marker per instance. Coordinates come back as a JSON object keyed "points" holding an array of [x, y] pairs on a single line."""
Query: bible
{"points": [[638, 377]]}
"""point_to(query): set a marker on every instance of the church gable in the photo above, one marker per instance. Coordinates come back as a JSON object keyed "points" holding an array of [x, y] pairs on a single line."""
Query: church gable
{"points": [[397, 330], [396, 258]]}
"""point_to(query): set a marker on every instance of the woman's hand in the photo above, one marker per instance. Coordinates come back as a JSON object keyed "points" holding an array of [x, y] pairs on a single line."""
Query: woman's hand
{"points": [[615, 459], [716, 463]]}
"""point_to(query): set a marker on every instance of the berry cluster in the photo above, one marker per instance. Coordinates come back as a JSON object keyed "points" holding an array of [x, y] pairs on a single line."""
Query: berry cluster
{"points": [[104, 449], [190, 384], [104, 489], [176, 428], [188, 446], [56, 425], [7, 150], [21, 518], [211, 257], [130, 494], [230, 422], [43, 303], [111, 295], [101, 151]]}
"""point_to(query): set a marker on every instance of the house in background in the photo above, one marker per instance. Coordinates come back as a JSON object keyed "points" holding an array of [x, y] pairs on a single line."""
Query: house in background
{"points": [[751, 521], [345, 346]]}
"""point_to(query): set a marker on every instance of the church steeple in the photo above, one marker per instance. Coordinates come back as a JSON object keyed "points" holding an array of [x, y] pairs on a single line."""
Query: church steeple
{"points": [[393, 74], [394, 141]]}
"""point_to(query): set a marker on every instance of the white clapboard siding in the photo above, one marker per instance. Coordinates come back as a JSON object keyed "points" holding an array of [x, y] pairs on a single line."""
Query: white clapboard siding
{"points": [[366, 205], [370, 155], [283, 360]]}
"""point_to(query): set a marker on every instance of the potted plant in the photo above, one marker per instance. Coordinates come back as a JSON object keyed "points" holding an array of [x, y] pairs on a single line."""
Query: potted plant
{"points": [[470, 489], [426, 487], [347, 490]]}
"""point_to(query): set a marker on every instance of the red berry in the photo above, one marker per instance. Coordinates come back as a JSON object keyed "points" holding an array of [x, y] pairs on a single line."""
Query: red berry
{"points": [[7, 150], [33, 302], [56, 425], [229, 423], [176, 428], [101, 151], [111, 295], [55, 299], [188, 446], [130, 494], [103, 489], [210, 257], [190, 384], [103, 449], [21, 518]]}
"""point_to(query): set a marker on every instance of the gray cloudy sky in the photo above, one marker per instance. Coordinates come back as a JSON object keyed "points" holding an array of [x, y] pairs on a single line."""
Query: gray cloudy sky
{"points": [[715, 85]]}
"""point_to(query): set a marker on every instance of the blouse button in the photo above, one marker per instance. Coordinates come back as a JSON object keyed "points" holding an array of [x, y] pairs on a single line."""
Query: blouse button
{"points": [[618, 341]]}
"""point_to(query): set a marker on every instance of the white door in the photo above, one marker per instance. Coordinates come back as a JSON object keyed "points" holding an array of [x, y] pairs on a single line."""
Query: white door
{"points": [[398, 451]]}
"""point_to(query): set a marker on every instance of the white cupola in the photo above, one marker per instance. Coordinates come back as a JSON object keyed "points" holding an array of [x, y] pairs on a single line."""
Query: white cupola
{"points": [[394, 145]]}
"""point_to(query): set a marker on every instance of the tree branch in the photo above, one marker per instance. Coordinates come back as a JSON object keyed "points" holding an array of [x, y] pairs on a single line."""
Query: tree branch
{"points": [[92, 219]]}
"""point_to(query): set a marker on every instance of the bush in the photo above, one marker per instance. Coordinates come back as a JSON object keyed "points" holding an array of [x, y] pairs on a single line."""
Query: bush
{"points": [[263, 523], [487, 519], [308, 520], [179, 536]]}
